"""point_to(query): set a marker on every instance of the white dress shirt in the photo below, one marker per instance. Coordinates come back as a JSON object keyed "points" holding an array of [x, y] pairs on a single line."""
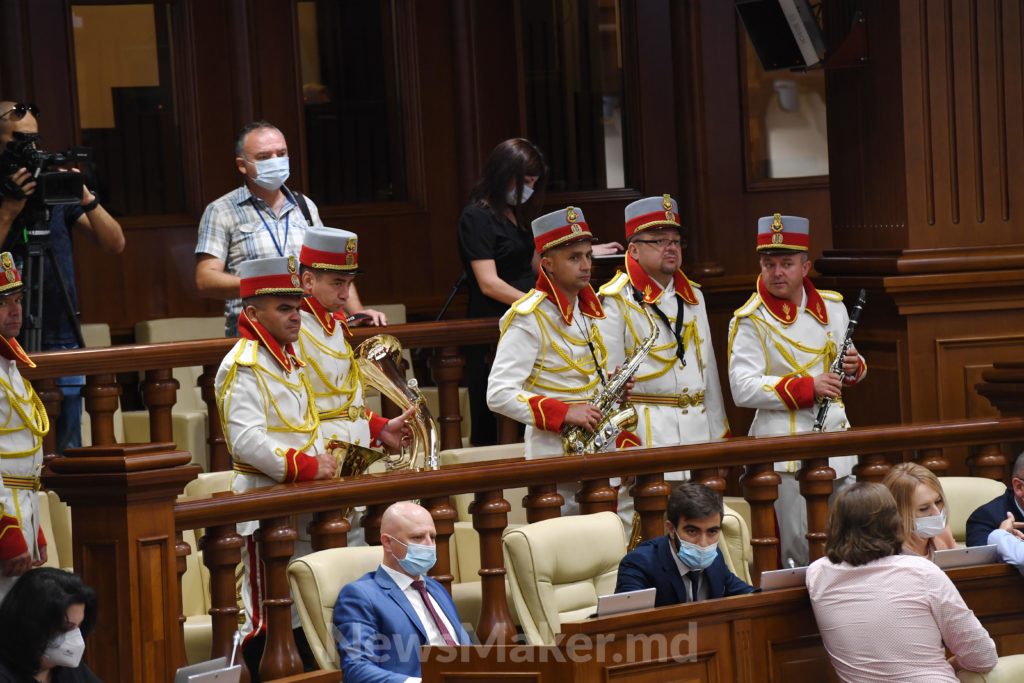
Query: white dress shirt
{"points": [[404, 582]]}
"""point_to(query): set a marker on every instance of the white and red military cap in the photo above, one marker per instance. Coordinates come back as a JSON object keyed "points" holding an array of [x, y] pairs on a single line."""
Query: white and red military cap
{"points": [[560, 227], [651, 213], [330, 249], [278, 276], [783, 233], [10, 281]]}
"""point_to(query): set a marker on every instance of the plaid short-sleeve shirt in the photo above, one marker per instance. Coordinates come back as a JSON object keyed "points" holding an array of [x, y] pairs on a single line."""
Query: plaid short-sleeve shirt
{"points": [[240, 227]]}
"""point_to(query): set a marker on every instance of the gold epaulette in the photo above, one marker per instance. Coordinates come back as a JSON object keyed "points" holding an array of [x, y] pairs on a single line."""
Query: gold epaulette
{"points": [[246, 352], [753, 303], [528, 303], [830, 295], [614, 286]]}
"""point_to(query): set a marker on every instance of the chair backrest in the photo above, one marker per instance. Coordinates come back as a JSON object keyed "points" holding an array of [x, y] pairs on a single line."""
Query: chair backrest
{"points": [[734, 542], [1009, 669], [182, 329], [964, 495], [55, 521], [458, 456], [557, 568], [195, 582], [316, 579]]}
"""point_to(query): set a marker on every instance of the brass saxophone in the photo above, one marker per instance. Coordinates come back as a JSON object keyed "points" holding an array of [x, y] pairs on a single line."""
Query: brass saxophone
{"points": [[615, 418]]}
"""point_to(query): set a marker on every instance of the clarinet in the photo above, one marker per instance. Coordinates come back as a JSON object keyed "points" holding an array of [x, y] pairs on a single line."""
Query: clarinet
{"points": [[837, 364]]}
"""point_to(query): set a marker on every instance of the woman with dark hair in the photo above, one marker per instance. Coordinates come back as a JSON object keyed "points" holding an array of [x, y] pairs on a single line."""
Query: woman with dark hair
{"points": [[498, 255], [44, 621], [883, 615]]}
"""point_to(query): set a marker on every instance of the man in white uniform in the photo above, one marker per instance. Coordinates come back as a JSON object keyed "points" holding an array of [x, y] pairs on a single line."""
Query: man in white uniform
{"points": [[23, 424], [781, 345]]}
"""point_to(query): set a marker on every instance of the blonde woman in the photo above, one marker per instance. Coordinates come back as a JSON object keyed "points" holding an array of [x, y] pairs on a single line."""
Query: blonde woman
{"points": [[922, 507]]}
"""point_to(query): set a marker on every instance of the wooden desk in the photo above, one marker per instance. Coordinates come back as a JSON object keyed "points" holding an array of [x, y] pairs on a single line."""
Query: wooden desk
{"points": [[748, 639]]}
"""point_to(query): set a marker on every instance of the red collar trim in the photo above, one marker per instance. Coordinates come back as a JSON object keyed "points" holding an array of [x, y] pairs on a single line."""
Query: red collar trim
{"points": [[11, 350], [785, 312], [642, 282], [252, 330], [590, 305], [322, 315]]}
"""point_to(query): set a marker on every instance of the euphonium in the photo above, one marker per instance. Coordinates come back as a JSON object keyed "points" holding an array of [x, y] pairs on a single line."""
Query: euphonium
{"points": [[615, 417], [377, 359]]}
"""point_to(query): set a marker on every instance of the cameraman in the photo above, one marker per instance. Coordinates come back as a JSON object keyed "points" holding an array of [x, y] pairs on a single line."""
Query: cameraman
{"points": [[57, 330]]}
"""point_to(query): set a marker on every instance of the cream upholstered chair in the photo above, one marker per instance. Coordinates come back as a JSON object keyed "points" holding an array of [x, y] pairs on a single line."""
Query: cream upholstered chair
{"points": [[55, 520], [316, 580], [557, 568], [189, 412], [461, 456], [964, 495], [734, 542], [1009, 669]]}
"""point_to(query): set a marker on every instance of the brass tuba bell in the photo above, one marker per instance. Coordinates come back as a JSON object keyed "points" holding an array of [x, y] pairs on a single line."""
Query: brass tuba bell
{"points": [[378, 358]]}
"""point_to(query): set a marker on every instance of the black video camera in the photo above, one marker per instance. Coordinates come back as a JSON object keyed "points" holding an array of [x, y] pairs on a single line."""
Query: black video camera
{"points": [[52, 186]]}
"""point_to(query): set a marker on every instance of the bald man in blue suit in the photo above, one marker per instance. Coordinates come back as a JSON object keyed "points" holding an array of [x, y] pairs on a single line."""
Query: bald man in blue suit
{"points": [[383, 618]]}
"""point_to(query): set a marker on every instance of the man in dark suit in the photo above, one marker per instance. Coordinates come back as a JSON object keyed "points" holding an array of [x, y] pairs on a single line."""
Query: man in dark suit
{"points": [[383, 618], [990, 515], [685, 565]]}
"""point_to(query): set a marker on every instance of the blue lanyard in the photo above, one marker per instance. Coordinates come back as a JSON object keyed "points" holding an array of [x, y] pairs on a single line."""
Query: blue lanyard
{"points": [[273, 236]]}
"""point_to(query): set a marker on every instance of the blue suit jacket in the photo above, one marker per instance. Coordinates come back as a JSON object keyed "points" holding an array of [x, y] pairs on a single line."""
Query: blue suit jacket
{"points": [[651, 565], [377, 630], [989, 516]]}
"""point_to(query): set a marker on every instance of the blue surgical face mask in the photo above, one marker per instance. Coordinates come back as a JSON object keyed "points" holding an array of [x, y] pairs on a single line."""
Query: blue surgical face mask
{"points": [[929, 527], [271, 173], [419, 559], [694, 556], [511, 196]]}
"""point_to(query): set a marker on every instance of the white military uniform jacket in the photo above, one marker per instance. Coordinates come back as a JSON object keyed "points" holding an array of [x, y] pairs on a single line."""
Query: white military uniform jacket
{"points": [[334, 377], [267, 411], [774, 353], [676, 404], [23, 423], [543, 362]]}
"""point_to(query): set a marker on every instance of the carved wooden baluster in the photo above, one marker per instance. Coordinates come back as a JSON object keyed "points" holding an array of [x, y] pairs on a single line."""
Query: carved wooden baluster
{"points": [[444, 522], [989, 461], [222, 553], [181, 553], [101, 401], [446, 367], [160, 393], [276, 540], [713, 478], [650, 500], [329, 529], [872, 468], [490, 517], [220, 459], [371, 523], [816, 479], [761, 489], [508, 430], [935, 460], [52, 397], [597, 495], [542, 501]]}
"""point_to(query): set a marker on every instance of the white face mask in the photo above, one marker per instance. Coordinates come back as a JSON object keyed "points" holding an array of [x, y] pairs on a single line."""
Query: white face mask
{"points": [[511, 196], [66, 649], [929, 527], [271, 173]]}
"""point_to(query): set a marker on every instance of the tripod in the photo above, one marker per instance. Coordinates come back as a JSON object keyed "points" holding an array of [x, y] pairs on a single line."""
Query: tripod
{"points": [[37, 248]]}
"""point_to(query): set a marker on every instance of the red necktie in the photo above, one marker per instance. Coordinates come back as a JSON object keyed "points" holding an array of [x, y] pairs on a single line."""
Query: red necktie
{"points": [[419, 585]]}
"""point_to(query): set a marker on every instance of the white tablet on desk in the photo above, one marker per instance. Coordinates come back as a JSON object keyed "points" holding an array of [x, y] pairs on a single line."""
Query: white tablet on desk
{"points": [[631, 601], [213, 671], [783, 578], [966, 557]]}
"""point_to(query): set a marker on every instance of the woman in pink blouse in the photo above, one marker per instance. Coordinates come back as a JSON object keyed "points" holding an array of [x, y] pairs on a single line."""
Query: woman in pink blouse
{"points": [[922, 507], [883, 615]]}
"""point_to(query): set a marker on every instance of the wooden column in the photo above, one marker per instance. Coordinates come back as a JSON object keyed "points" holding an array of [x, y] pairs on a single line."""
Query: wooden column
{"points": [[51, 396], [988, 462], [935, 460], [220, 459], [542, 501], [102, 394], [122, 511], [713, 478], [222, 554], [276, 541], [761, 489], [650, 500], [181, 553], [816, 479], [597, 495], [872, 468], [329, 529], [508, 430], [444, 516], [490, 517], [371, 523], [446, 367], [160, 393]]}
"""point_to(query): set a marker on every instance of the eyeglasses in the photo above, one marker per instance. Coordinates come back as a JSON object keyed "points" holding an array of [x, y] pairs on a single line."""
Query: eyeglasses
{"points": [[663, 242], [19, 111]]}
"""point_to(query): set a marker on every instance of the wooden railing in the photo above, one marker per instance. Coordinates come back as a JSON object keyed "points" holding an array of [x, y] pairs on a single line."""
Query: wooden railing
{"points": [[107, 490]]}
